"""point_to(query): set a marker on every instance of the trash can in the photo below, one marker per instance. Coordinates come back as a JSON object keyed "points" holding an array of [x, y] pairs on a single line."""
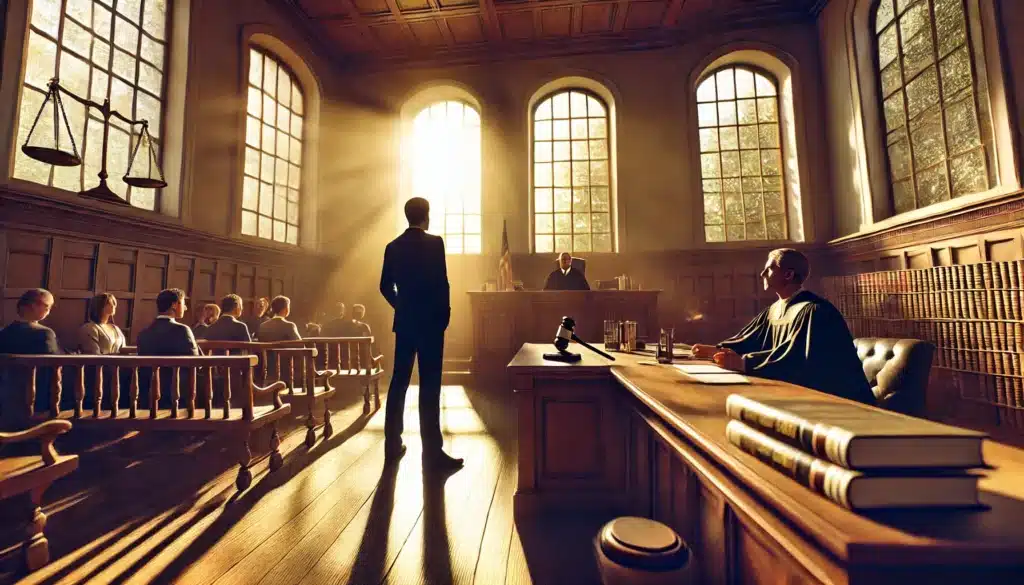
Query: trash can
{"points": [[640, 551]]}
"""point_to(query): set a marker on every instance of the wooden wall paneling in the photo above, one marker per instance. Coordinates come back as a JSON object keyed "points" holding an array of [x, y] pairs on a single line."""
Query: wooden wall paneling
{"points": [[227, 279], [27, 261], [4, 317], [246, 287], [1001, 249], [72, 280]]}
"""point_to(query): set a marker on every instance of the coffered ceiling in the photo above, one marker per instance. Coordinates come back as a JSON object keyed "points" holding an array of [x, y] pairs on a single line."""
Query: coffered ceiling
{"points": [[451, 31]]}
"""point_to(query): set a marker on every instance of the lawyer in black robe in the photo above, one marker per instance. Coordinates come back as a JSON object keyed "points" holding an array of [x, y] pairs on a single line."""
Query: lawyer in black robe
{"points": [[803, 340]]}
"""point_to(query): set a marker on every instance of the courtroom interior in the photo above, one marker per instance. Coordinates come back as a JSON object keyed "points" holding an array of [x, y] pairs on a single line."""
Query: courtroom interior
{"points": [[697, 291]]}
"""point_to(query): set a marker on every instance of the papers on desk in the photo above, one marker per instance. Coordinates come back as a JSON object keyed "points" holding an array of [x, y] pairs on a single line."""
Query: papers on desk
{"points": [[710, 374]]}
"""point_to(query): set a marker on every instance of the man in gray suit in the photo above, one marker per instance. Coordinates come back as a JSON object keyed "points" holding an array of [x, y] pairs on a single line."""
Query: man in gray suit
{"points": [[228, 327], [165, 336], [279, 328]]}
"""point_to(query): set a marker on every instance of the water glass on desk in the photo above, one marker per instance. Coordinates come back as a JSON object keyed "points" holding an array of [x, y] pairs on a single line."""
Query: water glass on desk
{"points": [[666, 345], [612, 335]]}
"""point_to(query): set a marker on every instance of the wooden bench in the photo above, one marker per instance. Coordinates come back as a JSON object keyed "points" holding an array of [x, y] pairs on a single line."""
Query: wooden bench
{"points": [[204, 410], [293, 363], [32, 475], [354, 360]]}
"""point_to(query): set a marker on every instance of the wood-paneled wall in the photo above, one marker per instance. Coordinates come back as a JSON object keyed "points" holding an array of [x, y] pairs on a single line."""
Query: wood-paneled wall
{"points": [[77, 253]]}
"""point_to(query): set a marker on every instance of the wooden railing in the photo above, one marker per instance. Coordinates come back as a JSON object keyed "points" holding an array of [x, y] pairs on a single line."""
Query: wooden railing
{"points": [[354, 360]]}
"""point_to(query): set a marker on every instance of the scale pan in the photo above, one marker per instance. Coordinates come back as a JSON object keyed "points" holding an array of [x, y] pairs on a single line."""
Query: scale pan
{"points": [[52, 156], [145, 182]]}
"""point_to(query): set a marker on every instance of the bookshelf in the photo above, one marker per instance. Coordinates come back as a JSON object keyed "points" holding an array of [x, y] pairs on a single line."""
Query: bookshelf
{"points": [[971, 312]]}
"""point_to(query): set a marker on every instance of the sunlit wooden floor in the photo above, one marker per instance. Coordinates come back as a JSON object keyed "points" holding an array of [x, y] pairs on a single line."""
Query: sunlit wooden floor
{"points": [[332, 514]]}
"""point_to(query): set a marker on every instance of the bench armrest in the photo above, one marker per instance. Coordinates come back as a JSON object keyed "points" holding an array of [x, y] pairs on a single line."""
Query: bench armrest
{"points": [[47, 433], [273, 391]]}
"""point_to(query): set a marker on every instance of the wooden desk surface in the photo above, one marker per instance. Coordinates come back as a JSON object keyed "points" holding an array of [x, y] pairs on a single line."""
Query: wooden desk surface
{"points": [[992, 536]]}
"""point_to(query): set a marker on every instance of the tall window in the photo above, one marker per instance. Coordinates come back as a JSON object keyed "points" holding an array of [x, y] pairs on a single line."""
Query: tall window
{"points": [[100, 49], [273, 151], [444, 161], [741, 156], [936, 114], [571, 174]]}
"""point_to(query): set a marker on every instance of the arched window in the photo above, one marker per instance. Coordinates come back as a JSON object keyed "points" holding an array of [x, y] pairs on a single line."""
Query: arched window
{"points": [[443, 164], [936, 114], [99, 53], [741, 156], [271, 185], [572, 206]]}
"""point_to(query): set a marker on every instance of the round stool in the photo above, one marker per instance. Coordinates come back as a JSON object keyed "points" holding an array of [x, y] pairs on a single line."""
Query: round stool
{"points": [[639, 551]]}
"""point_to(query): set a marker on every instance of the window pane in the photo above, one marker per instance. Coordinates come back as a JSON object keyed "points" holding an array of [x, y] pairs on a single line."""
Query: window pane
{"points": [[733, 179], [928, 91], [84, 30]]}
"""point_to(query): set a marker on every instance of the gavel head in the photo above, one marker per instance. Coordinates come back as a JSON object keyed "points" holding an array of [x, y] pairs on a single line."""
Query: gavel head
{"points": [[565, 333]]}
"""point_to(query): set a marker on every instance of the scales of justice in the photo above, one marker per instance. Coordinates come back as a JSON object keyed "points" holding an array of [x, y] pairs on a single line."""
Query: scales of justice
{"points": [[145, 175]]}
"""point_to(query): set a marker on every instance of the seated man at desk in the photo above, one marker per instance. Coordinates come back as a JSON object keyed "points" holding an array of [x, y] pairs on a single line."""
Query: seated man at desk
{"points": [[566, 276], [801, 338]]}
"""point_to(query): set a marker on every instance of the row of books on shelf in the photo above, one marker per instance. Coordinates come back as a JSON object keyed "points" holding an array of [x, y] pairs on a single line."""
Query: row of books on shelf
{"points": [[987, 304], [968, 335], [982, 275], [1003, 394], [860, 457]]}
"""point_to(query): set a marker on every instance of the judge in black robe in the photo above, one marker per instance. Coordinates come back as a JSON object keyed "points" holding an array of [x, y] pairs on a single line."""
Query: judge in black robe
{"points": [[565, 277], [801, 338]]}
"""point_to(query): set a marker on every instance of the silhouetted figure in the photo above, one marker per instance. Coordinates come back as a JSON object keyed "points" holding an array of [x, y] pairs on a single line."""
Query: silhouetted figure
{"points": [[414, 280]]}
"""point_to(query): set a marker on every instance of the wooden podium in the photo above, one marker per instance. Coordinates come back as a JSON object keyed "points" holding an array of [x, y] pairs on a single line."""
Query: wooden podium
{"points": [[504, 321]]}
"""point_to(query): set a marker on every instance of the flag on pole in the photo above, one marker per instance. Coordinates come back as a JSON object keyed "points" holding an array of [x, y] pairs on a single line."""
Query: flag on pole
{"points": [[505, 262]]}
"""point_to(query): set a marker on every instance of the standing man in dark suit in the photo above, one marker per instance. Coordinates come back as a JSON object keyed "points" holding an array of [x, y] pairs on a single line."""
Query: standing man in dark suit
{"points": [[565, 277], [228, 327], [414, 281], [165, 336]]}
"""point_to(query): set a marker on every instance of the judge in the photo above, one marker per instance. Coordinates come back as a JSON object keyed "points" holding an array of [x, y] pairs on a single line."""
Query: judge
{"points": [[565, 277], [801, 338]]}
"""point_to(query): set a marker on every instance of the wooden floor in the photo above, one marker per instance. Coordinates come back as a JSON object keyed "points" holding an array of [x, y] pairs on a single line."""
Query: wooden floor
{"points": [[332, 514]]}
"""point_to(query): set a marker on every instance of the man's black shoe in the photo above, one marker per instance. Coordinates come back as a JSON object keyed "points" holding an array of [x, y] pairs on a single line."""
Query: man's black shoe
{"points": [[442, 462]]}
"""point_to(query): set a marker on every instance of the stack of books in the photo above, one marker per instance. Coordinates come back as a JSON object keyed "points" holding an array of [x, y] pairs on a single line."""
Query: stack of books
{"points": [[860, 457]]}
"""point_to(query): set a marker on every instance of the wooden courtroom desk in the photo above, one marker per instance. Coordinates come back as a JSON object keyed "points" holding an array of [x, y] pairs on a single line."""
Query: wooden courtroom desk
{"points": [[504, 321], [639, 439]]}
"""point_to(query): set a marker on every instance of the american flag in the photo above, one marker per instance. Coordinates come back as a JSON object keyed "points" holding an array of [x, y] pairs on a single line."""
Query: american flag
{"points": [[505, 262]]}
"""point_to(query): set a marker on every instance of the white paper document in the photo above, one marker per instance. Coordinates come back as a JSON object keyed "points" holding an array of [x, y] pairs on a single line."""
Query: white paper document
{"points": [[710, 374]]}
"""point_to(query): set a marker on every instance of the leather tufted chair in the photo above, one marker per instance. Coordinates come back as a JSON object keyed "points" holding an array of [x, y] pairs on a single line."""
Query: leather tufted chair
{"points": [[897, 370]]}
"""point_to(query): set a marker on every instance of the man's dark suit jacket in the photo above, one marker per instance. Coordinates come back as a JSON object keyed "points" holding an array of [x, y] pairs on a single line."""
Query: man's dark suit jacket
{"points": [[28, 338], [414, 281], [227, 328], [575, 280], [335, 327], [165, 336]]}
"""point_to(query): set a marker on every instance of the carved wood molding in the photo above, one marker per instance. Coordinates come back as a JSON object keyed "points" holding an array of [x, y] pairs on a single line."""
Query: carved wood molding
{"points": [[1006, 213], [27, 212]]}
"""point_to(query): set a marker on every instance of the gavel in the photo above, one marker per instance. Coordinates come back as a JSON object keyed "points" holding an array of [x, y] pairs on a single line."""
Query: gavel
{"points": [[566, 333]]}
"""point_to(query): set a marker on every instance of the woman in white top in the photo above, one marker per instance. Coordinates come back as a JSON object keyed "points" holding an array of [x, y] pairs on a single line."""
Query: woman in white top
{"points": [[99, 335]]}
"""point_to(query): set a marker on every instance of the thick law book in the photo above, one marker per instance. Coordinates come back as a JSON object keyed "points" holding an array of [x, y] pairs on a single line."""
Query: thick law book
{"points": [[860, 437], [857, 490]]}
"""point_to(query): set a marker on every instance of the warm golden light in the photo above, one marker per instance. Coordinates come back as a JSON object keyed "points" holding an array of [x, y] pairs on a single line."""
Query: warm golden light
{"points": [[443, 162]]}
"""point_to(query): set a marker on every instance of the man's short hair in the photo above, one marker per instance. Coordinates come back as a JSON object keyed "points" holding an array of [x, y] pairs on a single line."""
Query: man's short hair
{"points": [[31, 297], [167, 297], [416, 210], [229, 303], [279, 304], [358, 309], [790, 259]]}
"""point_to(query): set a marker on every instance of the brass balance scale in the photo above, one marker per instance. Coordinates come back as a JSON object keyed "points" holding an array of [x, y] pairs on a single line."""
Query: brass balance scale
{"points": [[144, 175]]}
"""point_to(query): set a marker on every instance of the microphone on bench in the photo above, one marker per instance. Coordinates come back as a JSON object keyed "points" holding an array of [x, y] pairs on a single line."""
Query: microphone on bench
{"points": [[567, 332]]}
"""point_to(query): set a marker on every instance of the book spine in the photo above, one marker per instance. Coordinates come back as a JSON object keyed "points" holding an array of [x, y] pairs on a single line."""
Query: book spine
{"points": [[827, 479], [824, 441]]}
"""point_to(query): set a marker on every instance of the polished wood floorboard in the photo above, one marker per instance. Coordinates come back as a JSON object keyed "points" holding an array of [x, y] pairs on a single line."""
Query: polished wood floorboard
{"points": [[332, 514]]}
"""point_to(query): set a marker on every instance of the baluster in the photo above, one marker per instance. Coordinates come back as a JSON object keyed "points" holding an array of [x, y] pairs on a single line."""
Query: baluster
{"points": [[79, 391], [175, 391], [230, 372], [98, 398], [56, 384], [115, 392], [291, 374], [193, 373], [133, 394], [30, 393], [208, 398], [247, 393], [154, 392]]}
